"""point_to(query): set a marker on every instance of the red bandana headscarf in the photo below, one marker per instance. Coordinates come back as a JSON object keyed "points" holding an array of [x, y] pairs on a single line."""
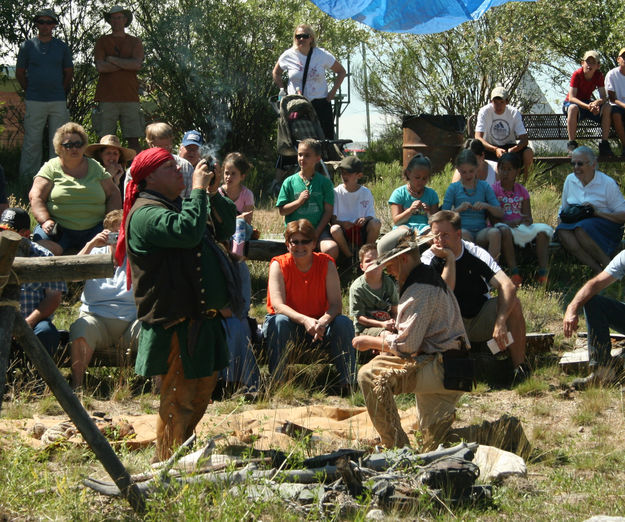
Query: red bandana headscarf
{"points": [[142, 166]]}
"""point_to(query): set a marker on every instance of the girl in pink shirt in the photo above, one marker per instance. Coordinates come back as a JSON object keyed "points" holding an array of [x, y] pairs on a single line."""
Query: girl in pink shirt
{"points": [[236, 166], [517, 226]]}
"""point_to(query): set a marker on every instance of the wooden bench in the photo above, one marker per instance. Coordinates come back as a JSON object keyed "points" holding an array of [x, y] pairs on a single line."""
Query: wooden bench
{"points": [[544, 127]]}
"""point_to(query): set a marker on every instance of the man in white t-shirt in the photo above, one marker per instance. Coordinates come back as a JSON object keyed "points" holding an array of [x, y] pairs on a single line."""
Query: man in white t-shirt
{"points": [[108, 315], [499, 126], [615, 85], [353, 218]]}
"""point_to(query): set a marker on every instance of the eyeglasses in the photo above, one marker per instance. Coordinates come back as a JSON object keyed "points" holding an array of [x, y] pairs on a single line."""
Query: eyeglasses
{"points": [[72, 144], [578, 163], [45, 22], [298, 242], [302, 36]]}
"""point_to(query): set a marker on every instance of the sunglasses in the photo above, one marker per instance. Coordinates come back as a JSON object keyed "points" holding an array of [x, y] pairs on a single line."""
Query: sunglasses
{"points": [[45, 22], [298, 242], [578, 163], [302, 36], [72, 144]]}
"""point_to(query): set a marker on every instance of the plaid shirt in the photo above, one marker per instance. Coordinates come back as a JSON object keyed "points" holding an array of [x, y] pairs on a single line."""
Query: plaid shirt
{"points": [[32, 294]]}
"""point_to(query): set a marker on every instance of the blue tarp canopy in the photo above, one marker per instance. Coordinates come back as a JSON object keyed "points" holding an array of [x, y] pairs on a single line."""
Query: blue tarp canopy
{"points": [[408, 16]]}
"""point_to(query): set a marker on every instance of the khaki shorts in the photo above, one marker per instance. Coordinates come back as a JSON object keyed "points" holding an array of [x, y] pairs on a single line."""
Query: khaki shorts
{"points": [[103, 332], [374, 331], [129, 115], [480, 328]]}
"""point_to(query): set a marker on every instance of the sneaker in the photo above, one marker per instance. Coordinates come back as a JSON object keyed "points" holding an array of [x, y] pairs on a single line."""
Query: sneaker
{"points": [[542, 279], [517, 280], [571, 145], [602, 376], [604, 148]]}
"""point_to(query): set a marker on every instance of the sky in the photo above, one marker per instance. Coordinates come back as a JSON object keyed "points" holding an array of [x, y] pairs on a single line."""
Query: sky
{"points": [[353, 122]]}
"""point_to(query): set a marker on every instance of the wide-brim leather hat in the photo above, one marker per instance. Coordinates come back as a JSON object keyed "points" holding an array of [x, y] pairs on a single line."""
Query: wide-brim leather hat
{"points": [[46, 12], [118, 9], [398, 242]]}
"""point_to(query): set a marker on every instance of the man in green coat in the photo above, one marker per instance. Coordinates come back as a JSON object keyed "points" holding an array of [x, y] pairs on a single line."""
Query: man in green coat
{"points": [[180, 286]]}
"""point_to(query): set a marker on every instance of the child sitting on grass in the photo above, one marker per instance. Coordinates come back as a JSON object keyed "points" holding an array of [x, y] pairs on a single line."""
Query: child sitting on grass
{"points": [[412, 203], [354, 214], [373, 297], [517, 226]]}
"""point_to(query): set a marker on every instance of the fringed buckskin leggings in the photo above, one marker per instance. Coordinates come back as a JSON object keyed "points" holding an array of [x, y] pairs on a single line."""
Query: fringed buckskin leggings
{"points": [[183, 403]]}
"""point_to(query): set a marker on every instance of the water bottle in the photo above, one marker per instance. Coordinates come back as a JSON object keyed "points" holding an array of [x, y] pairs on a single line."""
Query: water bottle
{"points": [[281, 94]]}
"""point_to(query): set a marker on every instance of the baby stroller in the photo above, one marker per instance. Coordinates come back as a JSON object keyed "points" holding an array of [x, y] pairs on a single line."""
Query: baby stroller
{"points": [[298, 121]]}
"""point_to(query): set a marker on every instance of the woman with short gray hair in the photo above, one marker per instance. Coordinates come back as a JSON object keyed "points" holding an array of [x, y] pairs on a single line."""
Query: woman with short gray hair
{"points": [[593, 235]]}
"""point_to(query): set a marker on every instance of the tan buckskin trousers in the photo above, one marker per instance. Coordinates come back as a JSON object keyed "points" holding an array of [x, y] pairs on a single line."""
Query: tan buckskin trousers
{"points": [[183, 403], [388, 375]]}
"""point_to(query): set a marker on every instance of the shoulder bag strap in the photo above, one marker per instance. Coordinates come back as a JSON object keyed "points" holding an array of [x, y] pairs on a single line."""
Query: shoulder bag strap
{"points": [[306, 69]]}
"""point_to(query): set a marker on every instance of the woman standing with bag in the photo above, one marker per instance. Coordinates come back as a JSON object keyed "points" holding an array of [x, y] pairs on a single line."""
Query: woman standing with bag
{"points": [[306, 66]]}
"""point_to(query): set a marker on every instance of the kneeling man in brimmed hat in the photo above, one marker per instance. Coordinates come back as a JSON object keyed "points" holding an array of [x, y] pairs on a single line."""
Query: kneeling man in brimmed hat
{"points": [[429, 330]]}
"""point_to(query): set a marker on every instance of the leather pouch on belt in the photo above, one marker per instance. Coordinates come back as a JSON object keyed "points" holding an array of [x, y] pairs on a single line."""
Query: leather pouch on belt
{"points": [[459, 370]]}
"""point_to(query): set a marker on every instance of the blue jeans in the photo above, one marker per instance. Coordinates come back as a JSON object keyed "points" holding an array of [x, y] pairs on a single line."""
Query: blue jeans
{"points": [[602, 313], [69, 238], [48, 335], [278, 330], [242, 367]]}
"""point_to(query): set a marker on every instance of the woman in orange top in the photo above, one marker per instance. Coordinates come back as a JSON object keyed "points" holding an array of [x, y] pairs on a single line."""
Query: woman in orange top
{"points": [[304, 303]]}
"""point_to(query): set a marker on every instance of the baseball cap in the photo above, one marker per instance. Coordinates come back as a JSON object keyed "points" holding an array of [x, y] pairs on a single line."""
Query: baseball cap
{"points": [[499, 92], [595, 55], [351, 164], [15, 218], [192, 137]]}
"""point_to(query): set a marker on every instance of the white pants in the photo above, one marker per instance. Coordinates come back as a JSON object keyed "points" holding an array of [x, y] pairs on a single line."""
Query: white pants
{"points": [[39, 113]]}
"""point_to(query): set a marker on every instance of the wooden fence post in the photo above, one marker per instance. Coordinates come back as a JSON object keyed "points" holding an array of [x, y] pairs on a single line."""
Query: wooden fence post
{"points": [[81, 419], [9, 242], [12, 324]]}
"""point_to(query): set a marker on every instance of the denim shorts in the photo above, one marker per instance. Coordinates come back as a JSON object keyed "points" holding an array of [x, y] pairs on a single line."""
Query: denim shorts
{"points": [[617, 109], [584, 114]]}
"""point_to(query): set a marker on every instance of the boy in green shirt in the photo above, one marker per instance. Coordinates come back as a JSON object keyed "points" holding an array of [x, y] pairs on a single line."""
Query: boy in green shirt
{"points": [[309, 195], [373, 297]]}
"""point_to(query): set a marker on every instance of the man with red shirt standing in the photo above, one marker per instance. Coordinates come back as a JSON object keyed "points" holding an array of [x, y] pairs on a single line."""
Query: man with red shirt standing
{"points": [[118, 57], [579, 105]]}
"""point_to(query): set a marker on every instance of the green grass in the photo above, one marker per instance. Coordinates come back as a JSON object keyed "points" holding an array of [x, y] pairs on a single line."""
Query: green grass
{"points": [[578, 453]]}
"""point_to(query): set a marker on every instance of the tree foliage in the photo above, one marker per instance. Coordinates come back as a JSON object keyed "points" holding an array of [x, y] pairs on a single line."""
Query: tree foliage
{"points": [[208, 64], [81, 23], [451, 72], [566, 29]]}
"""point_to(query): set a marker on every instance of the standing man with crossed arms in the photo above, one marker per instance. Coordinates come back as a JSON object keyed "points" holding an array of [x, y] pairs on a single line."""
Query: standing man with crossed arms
{"points": [[118, 57]]}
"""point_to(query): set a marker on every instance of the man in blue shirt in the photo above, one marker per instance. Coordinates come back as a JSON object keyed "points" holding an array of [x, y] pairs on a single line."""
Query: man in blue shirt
{"points": [[44, 70]]}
